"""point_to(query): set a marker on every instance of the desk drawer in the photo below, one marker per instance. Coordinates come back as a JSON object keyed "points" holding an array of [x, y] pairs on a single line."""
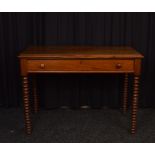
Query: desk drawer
{"points": [[80, 65]]}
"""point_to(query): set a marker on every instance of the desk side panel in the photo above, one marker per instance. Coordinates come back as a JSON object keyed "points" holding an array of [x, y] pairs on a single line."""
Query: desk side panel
{"points": [[23, 67], [137, 67]]}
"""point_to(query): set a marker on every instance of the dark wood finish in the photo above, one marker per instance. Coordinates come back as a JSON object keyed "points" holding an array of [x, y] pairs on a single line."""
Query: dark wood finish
{"points": [[23, 66], [137, 67], [125, 97], [35, 96], [80, 59], [135, 103], [28, 125], [80, 65], [80, 52]]}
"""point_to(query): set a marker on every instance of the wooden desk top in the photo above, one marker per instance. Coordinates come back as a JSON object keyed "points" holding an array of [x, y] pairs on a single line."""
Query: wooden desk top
{"points": [[80, 52]]}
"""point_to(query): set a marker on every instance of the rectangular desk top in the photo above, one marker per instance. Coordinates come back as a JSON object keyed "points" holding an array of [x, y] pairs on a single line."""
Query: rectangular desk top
{"points": [[80, 52]]}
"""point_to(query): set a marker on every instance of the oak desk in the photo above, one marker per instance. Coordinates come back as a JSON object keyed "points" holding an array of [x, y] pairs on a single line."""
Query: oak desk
{"points": [[80, 59]]}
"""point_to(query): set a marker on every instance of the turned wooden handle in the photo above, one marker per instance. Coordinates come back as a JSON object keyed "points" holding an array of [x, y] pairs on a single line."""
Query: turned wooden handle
{"points": [[118, 66], [42, 66]]}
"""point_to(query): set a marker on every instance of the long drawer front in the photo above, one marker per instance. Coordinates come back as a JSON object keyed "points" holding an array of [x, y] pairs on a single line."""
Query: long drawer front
{"points": [[80, 65]]}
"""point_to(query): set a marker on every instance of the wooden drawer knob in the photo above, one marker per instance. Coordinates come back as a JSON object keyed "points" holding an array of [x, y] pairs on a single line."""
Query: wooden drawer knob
{"points": [[42, 66], [118, 66]]}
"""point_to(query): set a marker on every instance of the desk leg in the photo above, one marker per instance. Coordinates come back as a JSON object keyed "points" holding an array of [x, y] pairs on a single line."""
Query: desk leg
{"points": [[36, 107], [125, 96], [135, 103], [28, 126]]}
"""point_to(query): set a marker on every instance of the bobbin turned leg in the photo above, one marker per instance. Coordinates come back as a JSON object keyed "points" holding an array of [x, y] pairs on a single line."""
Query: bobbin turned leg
{"points": [[35, 96], [135, 103], [125, 92], [28, 126]]}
